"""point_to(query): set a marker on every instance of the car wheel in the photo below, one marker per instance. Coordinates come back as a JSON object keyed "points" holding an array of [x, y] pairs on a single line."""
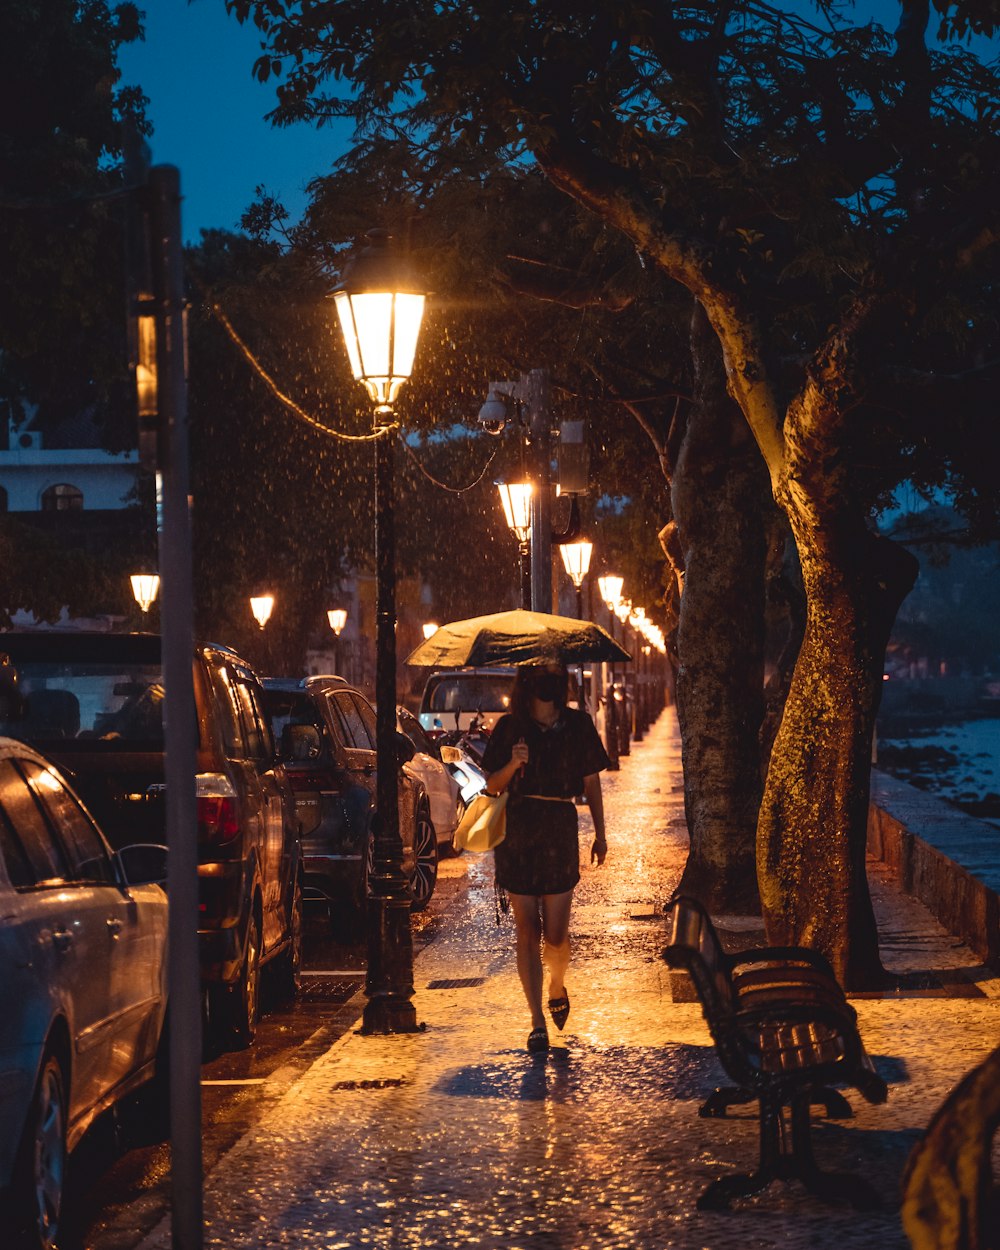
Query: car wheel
{"points": [[41, 1167], [244, 998], [425, 854], [288, 965]]}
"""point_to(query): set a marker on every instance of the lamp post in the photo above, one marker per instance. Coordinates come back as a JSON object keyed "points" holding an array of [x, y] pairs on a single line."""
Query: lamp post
{"points": [[610, 586], [576, 561], [429, 629], [338, 619], [623, 610], [380, 307], [145, 588], [516, 500]]}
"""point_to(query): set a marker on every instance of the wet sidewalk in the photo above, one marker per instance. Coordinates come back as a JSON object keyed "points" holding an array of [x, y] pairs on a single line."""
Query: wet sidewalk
{"points": [[456, 1137]]}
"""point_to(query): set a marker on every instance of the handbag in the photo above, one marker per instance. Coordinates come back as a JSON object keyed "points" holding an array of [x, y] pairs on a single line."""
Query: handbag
{"points": [[484, 824]]}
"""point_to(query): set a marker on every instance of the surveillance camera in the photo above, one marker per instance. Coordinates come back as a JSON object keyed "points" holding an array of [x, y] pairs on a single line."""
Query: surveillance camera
{"points": [[493, 414]]}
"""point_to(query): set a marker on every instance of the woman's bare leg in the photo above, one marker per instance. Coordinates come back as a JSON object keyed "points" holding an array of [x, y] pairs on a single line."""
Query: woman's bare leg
{"points": [[528, 924], [555, 930]]}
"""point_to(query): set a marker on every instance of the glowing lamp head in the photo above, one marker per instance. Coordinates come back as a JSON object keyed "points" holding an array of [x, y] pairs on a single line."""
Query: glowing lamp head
{"points": [[262, 606], [611, 589], [337, 618], [516, 500], [576, 560], [430, 628], [380, 307], [145, 588]]}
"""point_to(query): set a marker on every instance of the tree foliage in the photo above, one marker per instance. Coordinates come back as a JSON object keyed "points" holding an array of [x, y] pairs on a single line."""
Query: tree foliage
{"points": [[827, 192]]}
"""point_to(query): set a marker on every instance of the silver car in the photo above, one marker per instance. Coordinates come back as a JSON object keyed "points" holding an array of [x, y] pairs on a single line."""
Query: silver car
{"points": [[83, 969]]}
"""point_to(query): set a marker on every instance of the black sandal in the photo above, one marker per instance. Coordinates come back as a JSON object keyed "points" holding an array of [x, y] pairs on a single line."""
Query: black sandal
{"points": [[538, 1039], [559, 1010]]}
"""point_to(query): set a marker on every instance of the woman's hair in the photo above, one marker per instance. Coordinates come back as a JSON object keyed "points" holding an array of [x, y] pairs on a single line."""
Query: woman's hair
{"points": [[524, 688]]}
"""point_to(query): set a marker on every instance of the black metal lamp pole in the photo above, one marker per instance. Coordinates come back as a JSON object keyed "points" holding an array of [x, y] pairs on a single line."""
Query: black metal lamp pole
{"points": [[380, 308], [389, 981]]}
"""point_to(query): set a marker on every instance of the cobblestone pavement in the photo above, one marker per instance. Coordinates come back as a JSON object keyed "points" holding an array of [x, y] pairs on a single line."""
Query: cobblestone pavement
{"points": [[456, 1137]]}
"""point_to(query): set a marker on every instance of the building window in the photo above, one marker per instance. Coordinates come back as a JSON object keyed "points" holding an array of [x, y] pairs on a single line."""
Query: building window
{"points": [[62, 498]]}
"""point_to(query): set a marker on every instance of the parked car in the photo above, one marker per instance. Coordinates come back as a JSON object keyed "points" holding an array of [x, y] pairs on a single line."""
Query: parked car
{"points": [[450, 775], [454, 698], [326, 735], [94, 704], [83, 964]]}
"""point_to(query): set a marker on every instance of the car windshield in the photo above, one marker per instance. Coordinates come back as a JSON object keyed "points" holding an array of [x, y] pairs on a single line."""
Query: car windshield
{"points": [[120, 704], [469, 693]]}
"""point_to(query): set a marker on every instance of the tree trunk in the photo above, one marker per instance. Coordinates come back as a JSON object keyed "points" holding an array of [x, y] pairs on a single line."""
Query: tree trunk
{"points": [[720, 497], [814, 816]]}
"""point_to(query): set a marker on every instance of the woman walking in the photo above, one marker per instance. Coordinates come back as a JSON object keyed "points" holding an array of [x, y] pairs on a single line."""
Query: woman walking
{"points": [[546, 753]]}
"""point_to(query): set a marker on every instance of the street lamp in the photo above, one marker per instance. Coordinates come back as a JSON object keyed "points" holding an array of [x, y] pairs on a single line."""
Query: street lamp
{"points": [[516, 500], [430, 628], [610, 586], [262, 606], [338, 619], [576, 561], [145, 588], [380, 307]]}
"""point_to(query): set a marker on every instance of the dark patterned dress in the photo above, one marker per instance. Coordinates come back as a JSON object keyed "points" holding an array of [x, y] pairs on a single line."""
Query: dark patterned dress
{"points": [[540, 853]]}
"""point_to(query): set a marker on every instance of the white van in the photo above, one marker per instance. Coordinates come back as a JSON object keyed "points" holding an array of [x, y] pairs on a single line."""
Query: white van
{"points": [[454, 698]]}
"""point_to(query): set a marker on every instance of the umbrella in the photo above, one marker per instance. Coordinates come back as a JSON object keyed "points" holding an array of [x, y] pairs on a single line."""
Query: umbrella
{"points": [[514, 638]]}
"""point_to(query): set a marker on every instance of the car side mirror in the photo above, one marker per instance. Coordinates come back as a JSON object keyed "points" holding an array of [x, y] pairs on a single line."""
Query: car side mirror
{"points": [[450, 755], [405, 750], [143, 863]]}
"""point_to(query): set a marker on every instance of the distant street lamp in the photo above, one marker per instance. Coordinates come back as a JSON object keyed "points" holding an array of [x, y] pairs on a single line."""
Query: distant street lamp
{"points": [[145, 588], [576, 561], [430, 628], [380, 307], [516, 500], [262, 606], [610, 586], [338, 619]]}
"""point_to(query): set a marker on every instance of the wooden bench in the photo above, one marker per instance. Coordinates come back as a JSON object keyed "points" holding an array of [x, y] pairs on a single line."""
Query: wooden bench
{"points": [[784, 1033]]}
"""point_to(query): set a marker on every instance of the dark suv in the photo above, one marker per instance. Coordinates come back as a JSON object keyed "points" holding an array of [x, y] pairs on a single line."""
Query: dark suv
{"points": [[325, 731], [94, 704]]}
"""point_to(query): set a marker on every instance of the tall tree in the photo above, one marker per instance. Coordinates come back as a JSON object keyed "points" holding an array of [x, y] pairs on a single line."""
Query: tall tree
{"points": [[768, 165]]}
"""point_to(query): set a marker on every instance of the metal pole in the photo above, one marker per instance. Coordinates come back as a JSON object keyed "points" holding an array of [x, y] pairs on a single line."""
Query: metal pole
{"points": [[539, 424], [611, 709], [524, 550], [389, 980], [176, 608]]}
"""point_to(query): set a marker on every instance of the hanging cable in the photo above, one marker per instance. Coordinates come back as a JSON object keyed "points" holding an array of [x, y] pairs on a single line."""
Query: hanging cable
{"points": [[453, 490], [290, 403]]}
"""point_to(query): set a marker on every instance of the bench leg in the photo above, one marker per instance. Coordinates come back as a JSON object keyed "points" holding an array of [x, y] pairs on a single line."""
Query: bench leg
{"points": [[720, 1194], [779, 1162]]}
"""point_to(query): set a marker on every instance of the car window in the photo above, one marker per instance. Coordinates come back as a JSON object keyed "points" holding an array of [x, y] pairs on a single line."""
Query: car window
{"points": [[19, 871], [229, 713], [256, 737], [44, 854], [95, 704], [367, 713], [349, 719], [85, 851]]}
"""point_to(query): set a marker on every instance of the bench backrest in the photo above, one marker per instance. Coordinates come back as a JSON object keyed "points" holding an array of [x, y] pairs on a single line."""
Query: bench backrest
{"points": [[693, 944]]}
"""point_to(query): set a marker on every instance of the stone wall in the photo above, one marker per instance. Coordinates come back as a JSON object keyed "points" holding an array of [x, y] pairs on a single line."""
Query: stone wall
{"points": [[947, 860]]}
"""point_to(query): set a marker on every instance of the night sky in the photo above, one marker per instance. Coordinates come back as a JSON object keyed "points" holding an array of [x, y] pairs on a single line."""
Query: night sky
{"points": [[208, 115]]}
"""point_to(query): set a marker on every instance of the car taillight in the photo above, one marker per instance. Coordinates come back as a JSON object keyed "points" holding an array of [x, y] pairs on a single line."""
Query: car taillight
{"points": [[218, 813], [218, 819]]}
